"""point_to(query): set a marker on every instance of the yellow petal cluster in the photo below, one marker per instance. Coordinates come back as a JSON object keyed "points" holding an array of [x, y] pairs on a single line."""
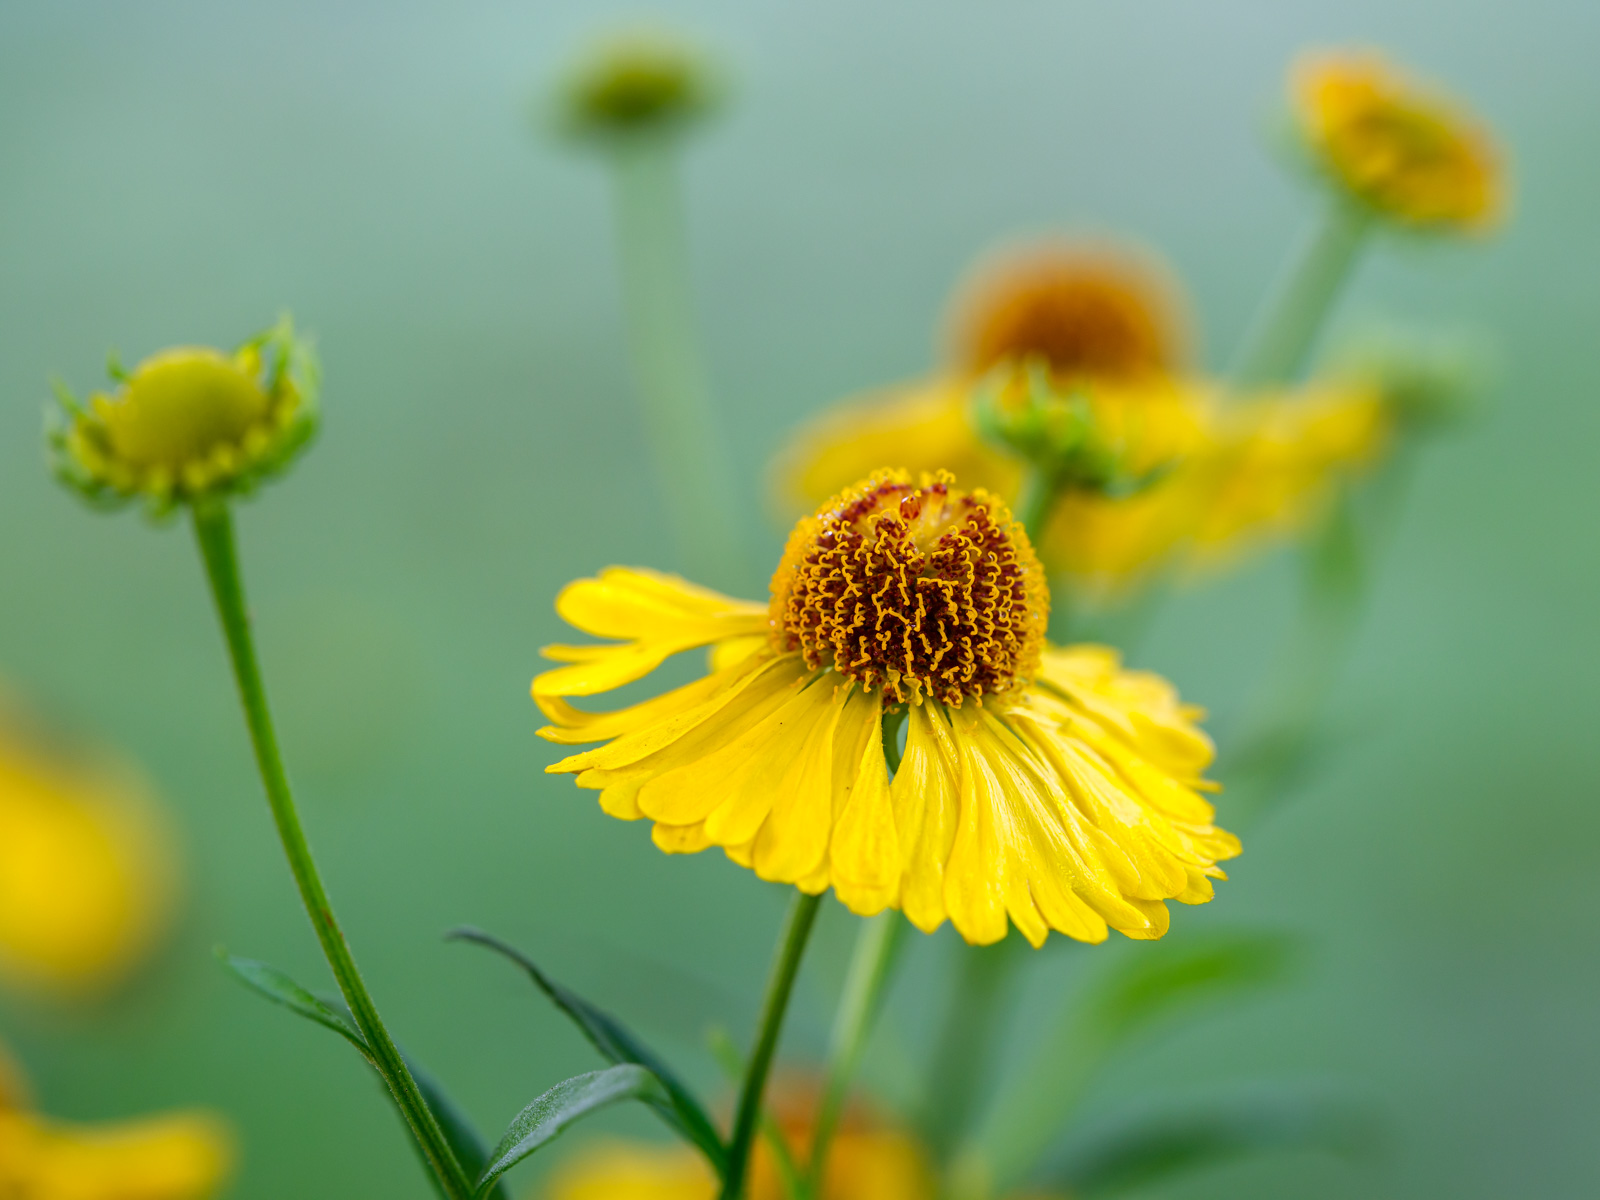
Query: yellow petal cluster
{"points": [[181, 1156], [1411, 155], [190, 421], [1070, 800], [85, 869]]}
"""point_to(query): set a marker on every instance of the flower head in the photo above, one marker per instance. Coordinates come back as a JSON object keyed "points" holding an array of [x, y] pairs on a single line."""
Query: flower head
{"points": [[182, 1156], [1042, 787], [1086, 309], [638, 83], [85, 873], [192, 422], [1409, 154]]}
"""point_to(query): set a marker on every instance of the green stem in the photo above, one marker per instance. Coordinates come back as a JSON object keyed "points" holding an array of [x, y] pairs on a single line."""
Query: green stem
{"points": [[213, 526], [792, 945], [1339, 565], [685, 440], [877, 947], [968, 1041], [1280, 340], [1040, 488]]}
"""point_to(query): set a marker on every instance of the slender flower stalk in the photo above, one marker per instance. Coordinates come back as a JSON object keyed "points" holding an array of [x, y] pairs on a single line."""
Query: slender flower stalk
{"points": [[213, 526], [1288, 328], [780, 985], [876, 951], [671, 375]]}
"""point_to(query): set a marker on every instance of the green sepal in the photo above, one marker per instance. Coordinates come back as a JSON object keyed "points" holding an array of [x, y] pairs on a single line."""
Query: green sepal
{"points": [[676, 1105], [1153, 1148], [569, 1101], [272, 983]]}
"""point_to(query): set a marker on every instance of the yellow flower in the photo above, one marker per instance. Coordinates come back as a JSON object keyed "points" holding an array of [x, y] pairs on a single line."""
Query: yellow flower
{"points": [[182, 1156], [1237, 476], [1090, 311], [1277, 462], [1042, 786], [190, 421], [85, 870], [1410, 154]]}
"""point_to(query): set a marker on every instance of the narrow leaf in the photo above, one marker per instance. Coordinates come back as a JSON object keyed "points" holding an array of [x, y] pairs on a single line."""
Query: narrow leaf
{"points": [[280, 989], [675, 1103], [563, 1104], [1159, 1147]]}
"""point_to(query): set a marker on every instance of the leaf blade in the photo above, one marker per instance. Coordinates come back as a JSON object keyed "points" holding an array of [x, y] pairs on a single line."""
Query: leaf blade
{"points": [[568, 1102], [266, 980], [677, 1105]]}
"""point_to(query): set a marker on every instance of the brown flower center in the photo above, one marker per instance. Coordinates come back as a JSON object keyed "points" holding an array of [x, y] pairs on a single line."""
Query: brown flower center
{"points": [[915, 588]]}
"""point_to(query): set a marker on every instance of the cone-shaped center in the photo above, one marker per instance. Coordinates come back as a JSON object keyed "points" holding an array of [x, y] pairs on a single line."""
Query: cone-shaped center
{"points": [[915, 588], [179, 406]]}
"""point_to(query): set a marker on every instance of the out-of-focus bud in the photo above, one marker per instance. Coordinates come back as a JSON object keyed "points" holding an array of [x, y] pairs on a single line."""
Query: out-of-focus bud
{"points": [[1428, 382], [1057, 427], [190, 422], [638, 83]]}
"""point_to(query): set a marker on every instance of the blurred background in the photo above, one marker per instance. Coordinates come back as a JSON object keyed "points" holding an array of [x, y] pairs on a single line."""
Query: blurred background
{"points": [[180, 171]]}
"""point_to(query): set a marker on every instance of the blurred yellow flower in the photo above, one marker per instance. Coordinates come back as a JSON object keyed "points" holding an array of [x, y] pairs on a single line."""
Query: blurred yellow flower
{"points": [[1222, 475], [191, 421], [1043, 786], [637, 82], [1394, 145], [1238, 476], [86, 869], [868, 1159], [1089, 310], [181, 1156]]}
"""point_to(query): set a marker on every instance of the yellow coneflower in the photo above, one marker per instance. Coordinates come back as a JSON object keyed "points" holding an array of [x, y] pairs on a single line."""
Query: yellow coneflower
{"points": [[1395, 146], [192, 422], [85, 870], [1090, 311], [1043, 786], [181, 1156]]}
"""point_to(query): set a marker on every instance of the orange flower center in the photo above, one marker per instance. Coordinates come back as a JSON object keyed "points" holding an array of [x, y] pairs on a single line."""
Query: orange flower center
{"points": [[918, 589]]}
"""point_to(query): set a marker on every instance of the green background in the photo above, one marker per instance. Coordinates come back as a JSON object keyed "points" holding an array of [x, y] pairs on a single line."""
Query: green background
{"points": [[180, 171]]}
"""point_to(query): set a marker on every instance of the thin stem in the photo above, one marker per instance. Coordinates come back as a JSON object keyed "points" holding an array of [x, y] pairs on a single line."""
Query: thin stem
{"points": [[1281, 338], [877, 946], [791, 947], [1040, 487], [966, 1045], [876, 950], [213, 526], [1339, 566], [685, 440]]}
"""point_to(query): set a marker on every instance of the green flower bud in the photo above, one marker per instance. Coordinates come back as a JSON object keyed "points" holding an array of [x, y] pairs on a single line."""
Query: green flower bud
{"points": [[190, 423], [638, 83]]}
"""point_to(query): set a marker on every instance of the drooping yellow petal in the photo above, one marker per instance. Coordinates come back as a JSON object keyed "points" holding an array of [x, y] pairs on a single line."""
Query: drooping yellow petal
{"points": [[653, 616], [864, 857], [927, 809]]}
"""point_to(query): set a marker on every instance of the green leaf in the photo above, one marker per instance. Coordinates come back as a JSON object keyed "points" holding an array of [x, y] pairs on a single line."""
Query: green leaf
{"points": [[464, 1140], [280, 989], [562, 1105], [1157, 1147], [676, 1104], [1167, 978]]}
